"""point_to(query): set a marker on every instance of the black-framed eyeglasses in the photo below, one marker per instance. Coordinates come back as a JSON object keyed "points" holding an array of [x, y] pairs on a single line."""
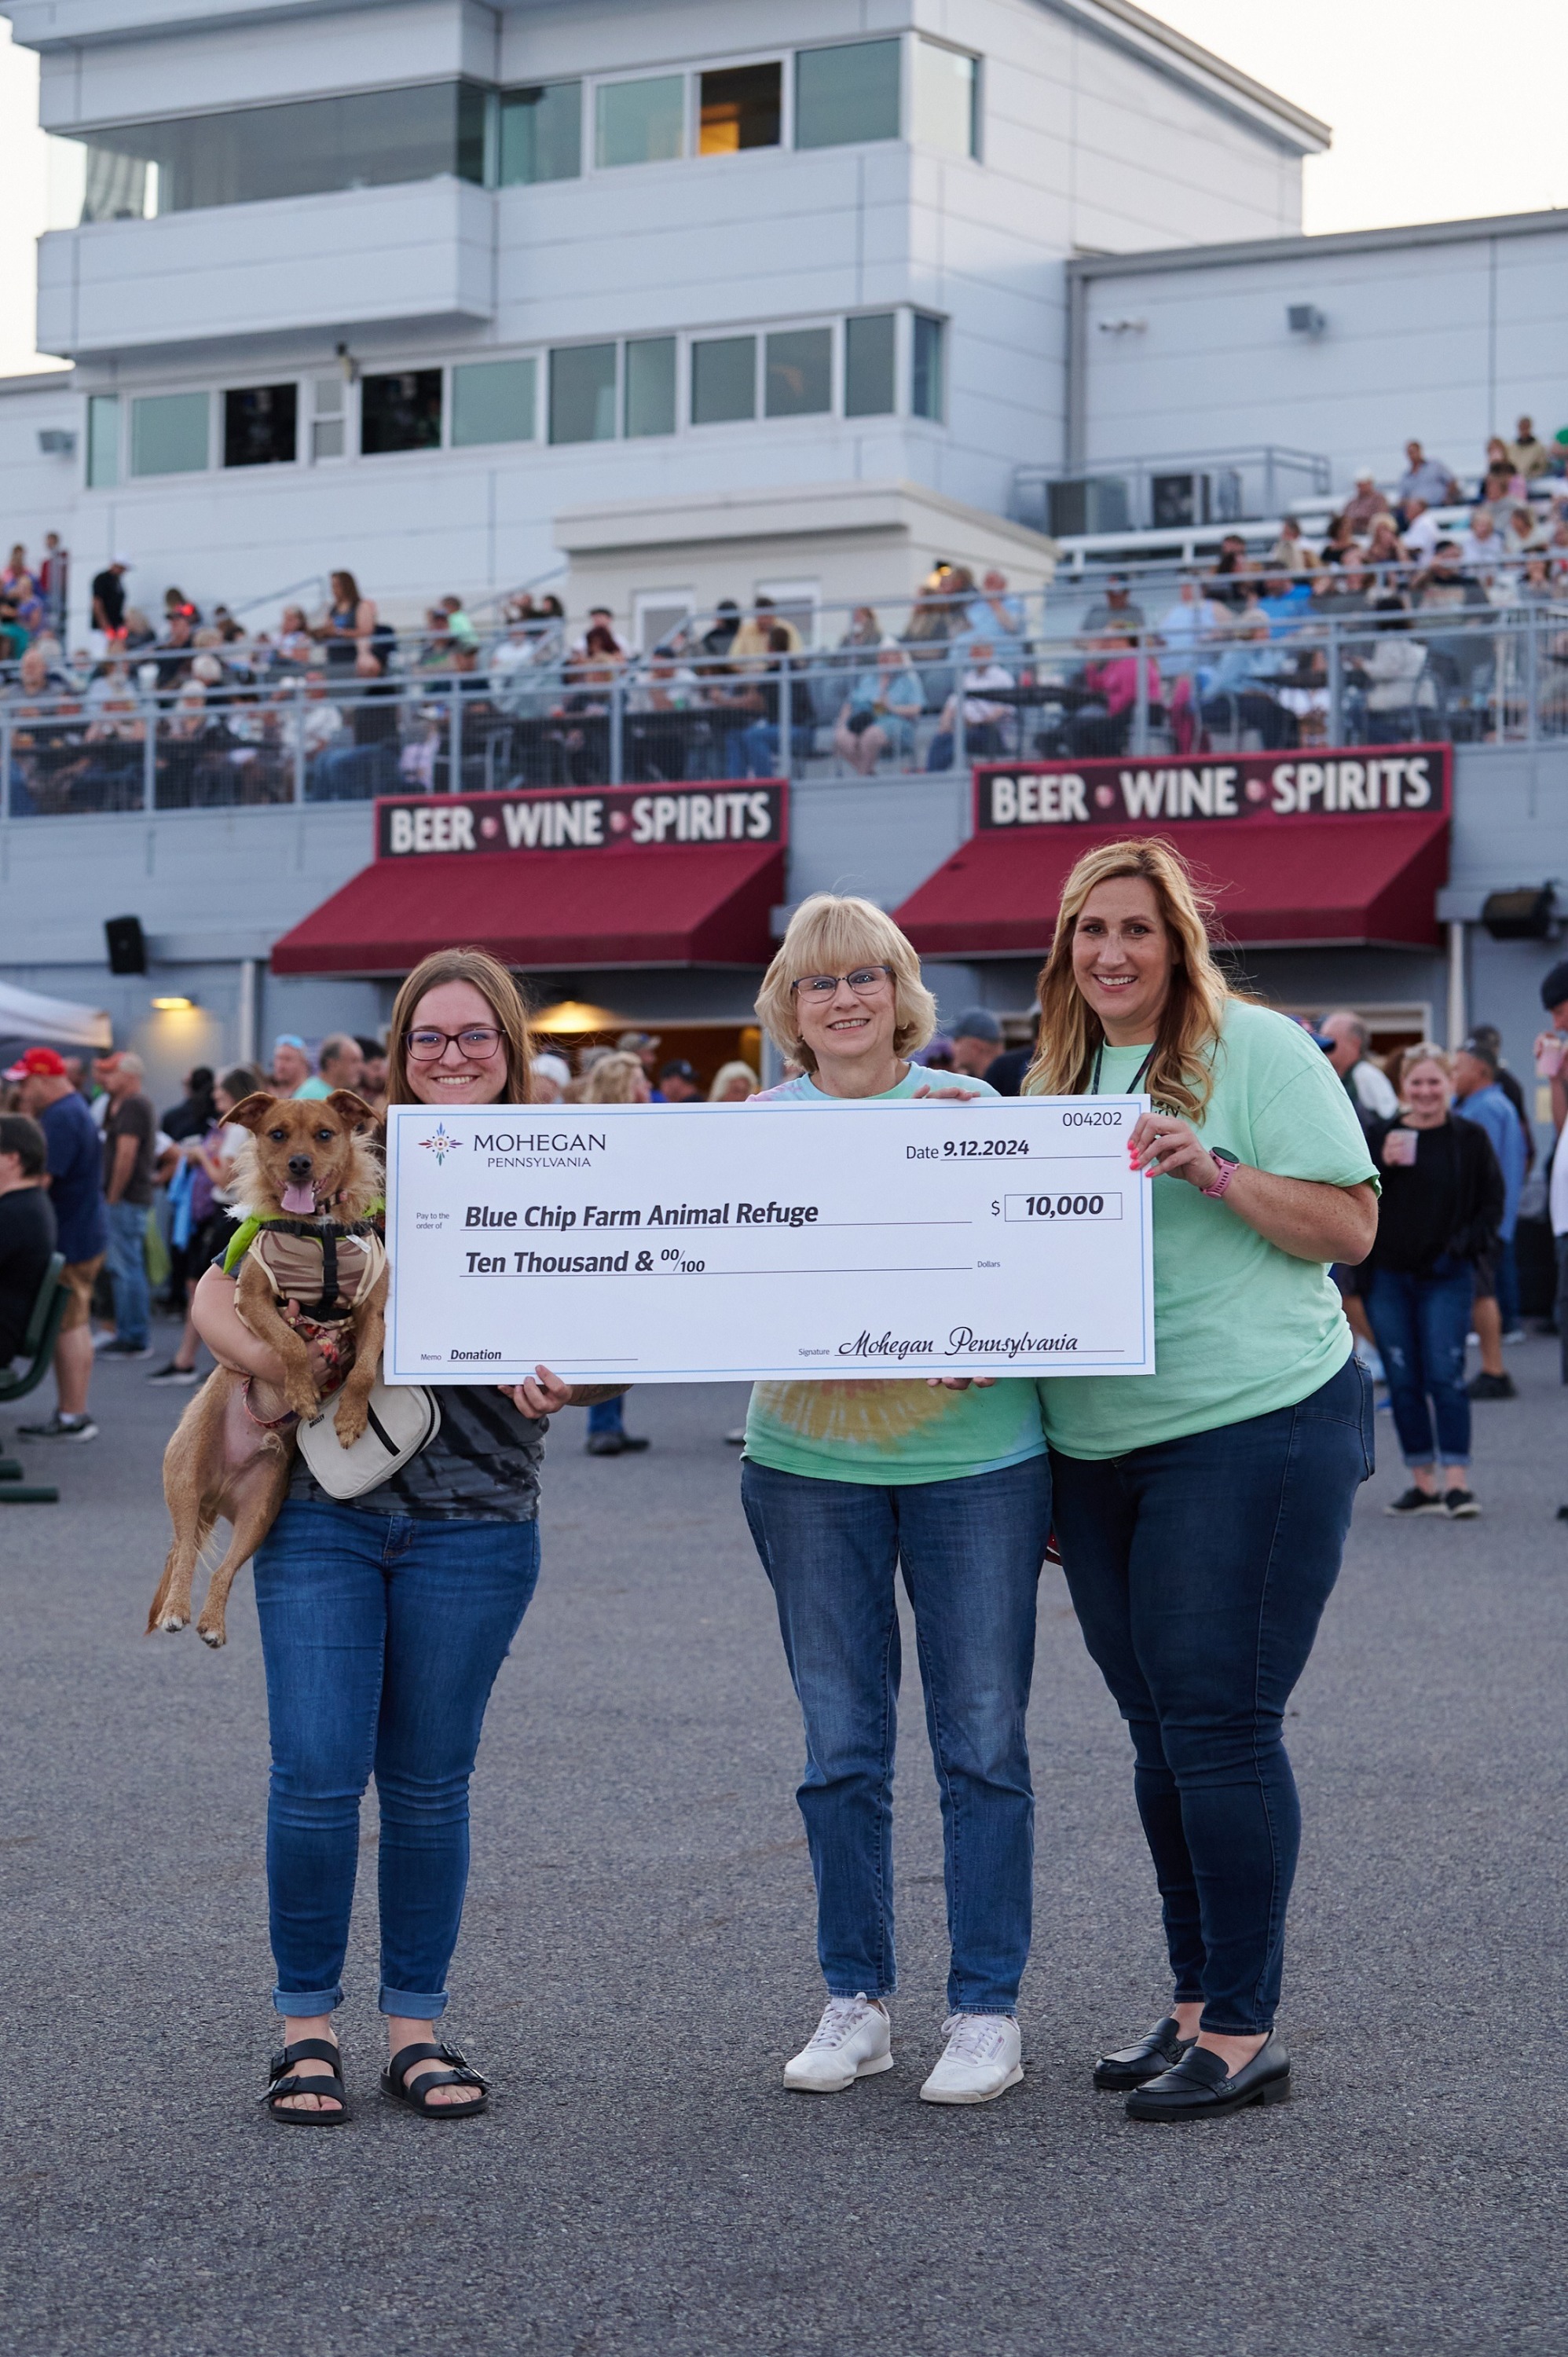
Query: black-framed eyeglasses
{"points": [[479, 1042], [866, 981]]}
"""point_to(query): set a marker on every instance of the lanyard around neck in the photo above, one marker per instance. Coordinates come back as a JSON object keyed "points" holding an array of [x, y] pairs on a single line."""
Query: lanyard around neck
{"points": [[1132, 1088]]}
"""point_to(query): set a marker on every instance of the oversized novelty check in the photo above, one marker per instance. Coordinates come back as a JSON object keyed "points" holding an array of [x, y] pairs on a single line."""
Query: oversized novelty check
{"points": [[697, 1243]]}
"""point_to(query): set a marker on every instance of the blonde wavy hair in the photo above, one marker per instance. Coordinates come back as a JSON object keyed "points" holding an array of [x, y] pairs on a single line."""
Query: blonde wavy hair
{"points": [[1070, 1035], [1427, 1051], [833, 934], [492, 982]]}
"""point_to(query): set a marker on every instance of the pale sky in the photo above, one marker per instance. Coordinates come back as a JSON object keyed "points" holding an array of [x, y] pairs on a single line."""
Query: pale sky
{"points": [[1433, 118]]}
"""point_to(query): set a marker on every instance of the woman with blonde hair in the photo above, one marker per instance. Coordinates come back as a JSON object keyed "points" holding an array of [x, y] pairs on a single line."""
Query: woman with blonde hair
{"points": [[1202, 1510], [384, 1619], [845, 1483], [732, 1083]]}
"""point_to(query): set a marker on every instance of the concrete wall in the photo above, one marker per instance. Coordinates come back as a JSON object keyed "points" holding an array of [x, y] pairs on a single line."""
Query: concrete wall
{"points": [[1447, 337]]}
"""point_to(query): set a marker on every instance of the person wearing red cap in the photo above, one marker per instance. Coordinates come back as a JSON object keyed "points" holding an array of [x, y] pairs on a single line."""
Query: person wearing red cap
{"points": [[74, 1164]]}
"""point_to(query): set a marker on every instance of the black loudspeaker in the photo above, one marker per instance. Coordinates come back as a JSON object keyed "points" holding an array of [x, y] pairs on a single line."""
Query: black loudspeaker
{"points": [[1524, 916], [127, 945]]}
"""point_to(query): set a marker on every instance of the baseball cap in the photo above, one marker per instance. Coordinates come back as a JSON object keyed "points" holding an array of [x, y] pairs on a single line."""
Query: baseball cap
{"points": [[291, 1039], [632, 1043], [1483, 1051], [679, 1070], [977, 1023], [124, 562], [36, 1061], [554, 1068], [1555, 989]]}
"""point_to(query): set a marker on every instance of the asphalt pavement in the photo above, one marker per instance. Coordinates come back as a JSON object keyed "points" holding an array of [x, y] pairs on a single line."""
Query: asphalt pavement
{"points": [[638, 1961]]}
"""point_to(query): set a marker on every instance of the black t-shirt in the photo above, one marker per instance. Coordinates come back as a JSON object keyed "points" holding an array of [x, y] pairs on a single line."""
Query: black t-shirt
{"points": [[1445, 1208], [132, 1117], [482, 1466], [1006, 1074], [109, 589], [26, 1240]]}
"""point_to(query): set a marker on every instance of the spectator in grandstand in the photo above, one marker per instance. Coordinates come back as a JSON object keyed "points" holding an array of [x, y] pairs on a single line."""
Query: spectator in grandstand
{"points": [[1102, 725], [1482, 547], [1528, 455], [1238, 689], [758, 635], [1521, 530], [601, 631], [1386, 555], [295, 644], [347, 624], [998, 617], [54, 580], [1500, 486], [982, 720], [1366, 502], [310, 719], [1194, 622], [718, 638], [1391, 676], [1290, 553], [348, 772], [1445, 583], [1426, 479], [176, 651], [879, 714], [1420, 531], [865, 633], [114, 776], [1231, 583], [109, 597], [1114, 609]]}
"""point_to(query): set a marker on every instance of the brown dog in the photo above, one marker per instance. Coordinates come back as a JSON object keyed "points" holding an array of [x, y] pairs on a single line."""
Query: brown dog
{"points": [[310, 1176]]}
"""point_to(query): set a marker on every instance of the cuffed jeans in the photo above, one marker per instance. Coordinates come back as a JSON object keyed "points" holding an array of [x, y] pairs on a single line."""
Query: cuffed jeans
{"points": [[970, 1553], [128, 1273], [381, 1635], [1421, 1323], [1199, 1569]]}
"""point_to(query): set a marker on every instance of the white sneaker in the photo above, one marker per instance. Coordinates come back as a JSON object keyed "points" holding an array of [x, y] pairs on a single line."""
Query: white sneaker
{"points": [[982, 2058], [853, 2041]]}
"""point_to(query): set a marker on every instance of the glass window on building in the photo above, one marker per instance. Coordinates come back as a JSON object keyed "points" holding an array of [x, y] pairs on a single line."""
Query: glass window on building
{"points": [[493, 401], [926, 393], [400, 412], [723, 380], [541, 133], [168, 434], [740, 107], [583, 393], [846, 93], [650, 385], [944, 101], [870, 389], [798, 372], [102, 441], [329, 403], [640, 122], [260, 426], [307, 147]]}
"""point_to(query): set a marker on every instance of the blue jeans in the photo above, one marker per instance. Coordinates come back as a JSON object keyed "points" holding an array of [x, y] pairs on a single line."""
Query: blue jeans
{"points": [[760, 748], [607, 1416], [1421, 1323], [1198, 1570], [381, 1635], [970, 1553], [1505, 1265], [128, 1273]]}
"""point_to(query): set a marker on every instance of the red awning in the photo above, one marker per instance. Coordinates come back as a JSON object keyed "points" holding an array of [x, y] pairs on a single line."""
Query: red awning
{"points": [[653, 905], [1371, 877]]}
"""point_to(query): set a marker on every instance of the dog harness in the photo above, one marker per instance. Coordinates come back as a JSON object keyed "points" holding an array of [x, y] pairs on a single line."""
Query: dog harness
{"points": [[326, 1266]]}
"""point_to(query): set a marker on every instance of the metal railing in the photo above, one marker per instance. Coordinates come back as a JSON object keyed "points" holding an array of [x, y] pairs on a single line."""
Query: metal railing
{"points": [[1172, 492], [1461, 674]]}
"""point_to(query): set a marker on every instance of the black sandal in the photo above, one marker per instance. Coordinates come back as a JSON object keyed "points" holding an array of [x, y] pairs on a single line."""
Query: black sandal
{"points": [[283, 2082], [395, 2080]]}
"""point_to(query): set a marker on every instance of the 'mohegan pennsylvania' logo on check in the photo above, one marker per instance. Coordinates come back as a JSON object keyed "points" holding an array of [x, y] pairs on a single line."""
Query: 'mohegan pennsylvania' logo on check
{"points": [[441, 1143]]}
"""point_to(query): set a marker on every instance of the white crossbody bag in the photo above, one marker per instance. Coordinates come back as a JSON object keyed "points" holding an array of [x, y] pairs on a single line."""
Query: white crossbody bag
{"points": [[403, 1420]]}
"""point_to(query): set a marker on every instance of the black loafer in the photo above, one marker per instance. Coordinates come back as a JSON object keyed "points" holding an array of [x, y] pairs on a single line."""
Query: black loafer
{"points": [[1199, 2086], [1133, 2066]]}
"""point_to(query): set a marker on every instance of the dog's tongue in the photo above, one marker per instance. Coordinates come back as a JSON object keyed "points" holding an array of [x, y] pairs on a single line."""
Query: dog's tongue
{"points": [[300, 1201]]}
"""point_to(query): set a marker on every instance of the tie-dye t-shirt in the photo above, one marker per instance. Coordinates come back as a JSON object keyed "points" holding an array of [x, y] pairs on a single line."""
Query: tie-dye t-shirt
{"points": [[888, 1433]]}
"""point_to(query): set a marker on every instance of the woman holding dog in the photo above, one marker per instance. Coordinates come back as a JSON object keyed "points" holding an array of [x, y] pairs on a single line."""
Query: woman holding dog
{"points": [[1201, 1511], [384, 1621]]}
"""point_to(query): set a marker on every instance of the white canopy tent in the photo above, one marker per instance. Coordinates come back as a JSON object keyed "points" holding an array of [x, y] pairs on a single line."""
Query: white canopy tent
{"points": [[28, 1015]]}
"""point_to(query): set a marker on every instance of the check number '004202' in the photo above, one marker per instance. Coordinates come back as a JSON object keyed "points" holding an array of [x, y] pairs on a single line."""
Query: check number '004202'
{"points": [[1062, 1203]]}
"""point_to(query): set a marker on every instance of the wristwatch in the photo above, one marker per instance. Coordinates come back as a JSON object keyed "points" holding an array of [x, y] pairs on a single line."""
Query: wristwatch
{"points": [[1229, 1166]]}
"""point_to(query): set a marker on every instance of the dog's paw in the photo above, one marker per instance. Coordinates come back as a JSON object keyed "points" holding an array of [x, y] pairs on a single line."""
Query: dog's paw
{"points": [[215, 1635], [302, 1399], [168, 1624], [351, 1421]]}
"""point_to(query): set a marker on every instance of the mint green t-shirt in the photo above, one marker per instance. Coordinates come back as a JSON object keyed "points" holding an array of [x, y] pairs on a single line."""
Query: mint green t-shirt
{"points": [[1241, 1328], [889, 1434]]}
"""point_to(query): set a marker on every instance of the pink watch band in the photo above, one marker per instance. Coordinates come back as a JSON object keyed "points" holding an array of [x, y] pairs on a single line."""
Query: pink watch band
{"points": [[1227, 1172]]}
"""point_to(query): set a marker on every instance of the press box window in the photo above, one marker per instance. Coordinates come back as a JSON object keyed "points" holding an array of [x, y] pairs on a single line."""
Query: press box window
{"points": [[870, 389], [797, 371], [493, 401], [541, 134], [168, 434], [400, 413], [945, 99], [741, 107], [640, 122], [326, 424], [260, 426], [583, 393], [650, 386], [723, 380], [102, 441], [846, 95], [925, 390]]}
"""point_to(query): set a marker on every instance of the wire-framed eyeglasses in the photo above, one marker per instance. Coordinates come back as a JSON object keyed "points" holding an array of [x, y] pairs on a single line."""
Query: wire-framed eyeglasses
{"points": [[866, 981], [477, 1041]]}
